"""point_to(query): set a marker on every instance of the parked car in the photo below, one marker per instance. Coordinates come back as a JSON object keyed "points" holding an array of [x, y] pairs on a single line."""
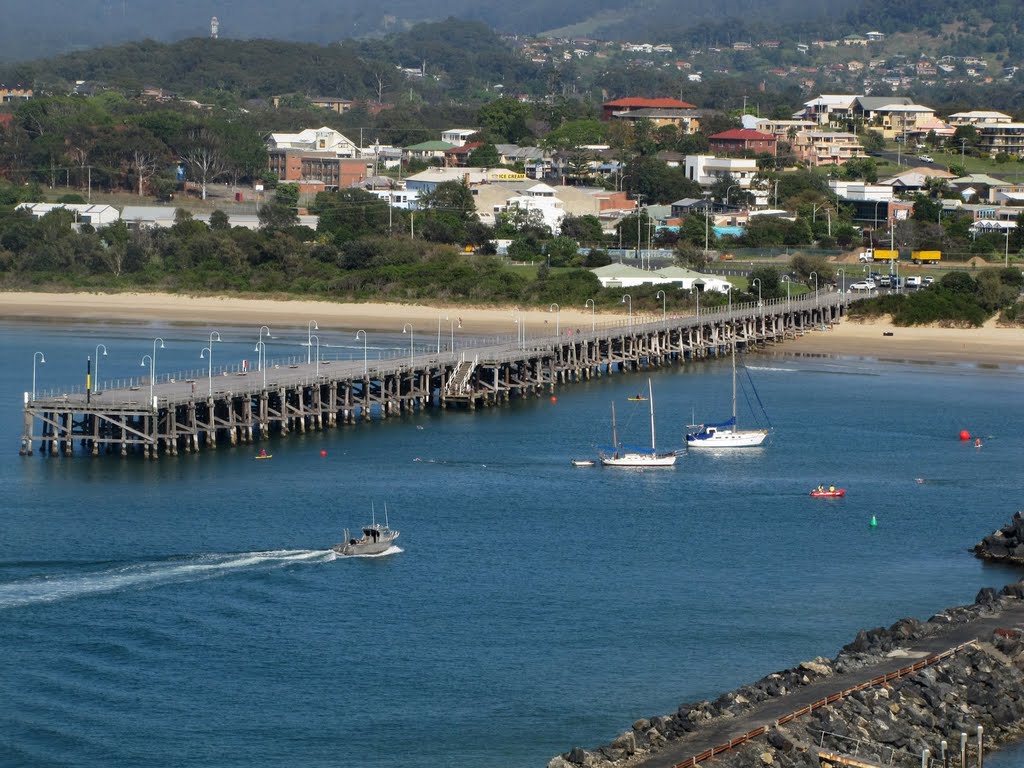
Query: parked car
{"points": [[914, 282], [863, 285], [885, 281], [927, 280], [927, 159]]}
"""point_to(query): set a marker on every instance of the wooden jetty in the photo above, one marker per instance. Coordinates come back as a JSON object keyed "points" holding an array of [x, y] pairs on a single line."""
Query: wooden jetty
{"points": [[241, 407]]}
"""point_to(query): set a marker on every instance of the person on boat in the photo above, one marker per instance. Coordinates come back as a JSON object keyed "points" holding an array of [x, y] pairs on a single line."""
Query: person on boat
{"points": [[831, 489], [263, 453], [977, 442], [821, 489]]}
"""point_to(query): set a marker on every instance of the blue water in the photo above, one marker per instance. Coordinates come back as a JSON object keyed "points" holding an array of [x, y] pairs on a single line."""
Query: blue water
{"points": [[188, 611]]}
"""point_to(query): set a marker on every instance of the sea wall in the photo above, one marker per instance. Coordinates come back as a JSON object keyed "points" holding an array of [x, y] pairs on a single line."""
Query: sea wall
{"points": [[980, 685]]}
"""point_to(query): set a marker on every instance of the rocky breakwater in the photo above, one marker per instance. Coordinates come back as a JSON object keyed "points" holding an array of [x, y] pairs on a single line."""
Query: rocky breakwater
{"points": [[981, 684], [1005, 545]]}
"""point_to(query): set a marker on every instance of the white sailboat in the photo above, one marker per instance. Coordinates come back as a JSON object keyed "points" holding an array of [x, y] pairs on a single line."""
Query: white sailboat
{"points": [[727, 433], [637, 457]]}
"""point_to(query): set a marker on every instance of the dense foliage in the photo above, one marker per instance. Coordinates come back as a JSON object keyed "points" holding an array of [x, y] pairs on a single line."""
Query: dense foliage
{"points": [[958, 299]]}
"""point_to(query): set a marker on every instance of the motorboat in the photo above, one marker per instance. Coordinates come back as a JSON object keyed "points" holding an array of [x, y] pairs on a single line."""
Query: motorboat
{"points": [[726, 434], [625, 456], [583, 462], [376, 539], [828, 493]]}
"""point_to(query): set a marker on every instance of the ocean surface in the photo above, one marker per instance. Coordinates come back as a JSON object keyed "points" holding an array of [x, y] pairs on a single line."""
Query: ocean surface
{"points": [[189, 611]]}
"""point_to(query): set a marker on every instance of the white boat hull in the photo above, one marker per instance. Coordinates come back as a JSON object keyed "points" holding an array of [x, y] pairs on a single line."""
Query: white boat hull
{"points": [[744, 438], [639, 460]]}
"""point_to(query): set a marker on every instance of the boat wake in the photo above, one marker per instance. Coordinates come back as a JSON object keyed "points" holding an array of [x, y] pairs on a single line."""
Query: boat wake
{"points": [[392, 550], [770, 368], [145, 575]]}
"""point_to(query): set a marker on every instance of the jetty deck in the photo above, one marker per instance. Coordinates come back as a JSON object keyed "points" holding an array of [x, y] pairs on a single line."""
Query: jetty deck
{"points": [[232, 407]]}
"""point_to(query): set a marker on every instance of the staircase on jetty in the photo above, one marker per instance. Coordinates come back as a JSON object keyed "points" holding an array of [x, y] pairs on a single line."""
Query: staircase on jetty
{"points": [[171, 416]]}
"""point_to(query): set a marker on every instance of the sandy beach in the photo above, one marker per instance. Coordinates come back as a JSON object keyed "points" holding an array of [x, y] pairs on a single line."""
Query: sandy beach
{"points": [[212, 310], [880, 340], [875, 339]]}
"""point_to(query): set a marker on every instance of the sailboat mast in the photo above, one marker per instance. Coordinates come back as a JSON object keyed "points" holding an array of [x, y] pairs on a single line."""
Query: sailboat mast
{"points": [[650, 400], [615, 438], [735, 423]]}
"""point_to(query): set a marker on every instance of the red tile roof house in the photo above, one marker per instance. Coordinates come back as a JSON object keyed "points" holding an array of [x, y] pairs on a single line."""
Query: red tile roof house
{"points": [[742, 140], [458, 157], [631, 103]]}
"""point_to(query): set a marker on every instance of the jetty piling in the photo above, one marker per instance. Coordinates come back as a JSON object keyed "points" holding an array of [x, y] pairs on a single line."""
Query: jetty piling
{"points": [[248, 407]]}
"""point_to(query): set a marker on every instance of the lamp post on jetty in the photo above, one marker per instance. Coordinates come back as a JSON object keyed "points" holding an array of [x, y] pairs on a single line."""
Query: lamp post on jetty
{"points": [[261, 347], [42, 359], [364, 349], [411, 336], [151, 369], [842, 284], [661, 295], [628, 300], [261, 351], [97, 378], [210, 362], [787, 281], [815, 287], [558, 312], [593, 309], [309, 339], [313, 337]]}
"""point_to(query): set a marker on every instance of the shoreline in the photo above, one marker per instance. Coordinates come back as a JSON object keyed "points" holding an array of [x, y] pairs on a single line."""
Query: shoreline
{"points": [[205, 310], [879, 340]]}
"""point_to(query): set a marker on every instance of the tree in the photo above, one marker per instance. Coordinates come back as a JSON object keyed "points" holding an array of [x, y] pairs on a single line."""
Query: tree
{"points": [[582, 229], [485, 156], [504, 120], [204, 159]]}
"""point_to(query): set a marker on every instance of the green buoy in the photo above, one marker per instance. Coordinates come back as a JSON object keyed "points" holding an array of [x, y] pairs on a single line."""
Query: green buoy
{"points": [[874, 522]]}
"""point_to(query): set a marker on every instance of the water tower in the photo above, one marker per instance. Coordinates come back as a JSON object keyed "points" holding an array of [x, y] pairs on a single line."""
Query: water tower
{"points": [[214, 26]]}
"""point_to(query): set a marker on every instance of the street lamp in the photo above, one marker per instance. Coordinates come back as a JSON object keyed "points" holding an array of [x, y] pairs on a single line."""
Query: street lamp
{"points": [[520, 328], [309, 339], [815, 287], [262, 360], [593, 308], [627, 299], [261, 353], [787, 281], [558, 312], [42, 359], [412, 334], [1006, 253], [97, 379], [661, 294], [758, 281], [729, 189], [210, 350], [842, 284], [152, 370], [152, 360], [364, 349], [439, 333]]}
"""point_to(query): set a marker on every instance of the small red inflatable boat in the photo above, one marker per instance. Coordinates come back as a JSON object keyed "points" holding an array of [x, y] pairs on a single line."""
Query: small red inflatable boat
{"points": [[837, 493]]}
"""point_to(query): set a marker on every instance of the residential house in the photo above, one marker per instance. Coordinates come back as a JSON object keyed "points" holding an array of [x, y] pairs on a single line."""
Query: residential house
{"points": [[458, 157], [14, 93], [855, 40], [332, 103], [874, 37], [739, 140], [1000, 138], [978, 117], [428, 180], [322, 139], [901, 119], [619, 107], [816, 148], [427, 150], [708, 170], [458, 136], [783, 130], [828, 109]]}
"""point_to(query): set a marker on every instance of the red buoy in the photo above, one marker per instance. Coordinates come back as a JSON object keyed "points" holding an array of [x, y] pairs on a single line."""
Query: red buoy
{"points": [[965, 435], [323, 453]]}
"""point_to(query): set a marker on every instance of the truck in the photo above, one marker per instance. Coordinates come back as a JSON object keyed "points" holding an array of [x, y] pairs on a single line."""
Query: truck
{"points": [[884, 254], [925, 257]]}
